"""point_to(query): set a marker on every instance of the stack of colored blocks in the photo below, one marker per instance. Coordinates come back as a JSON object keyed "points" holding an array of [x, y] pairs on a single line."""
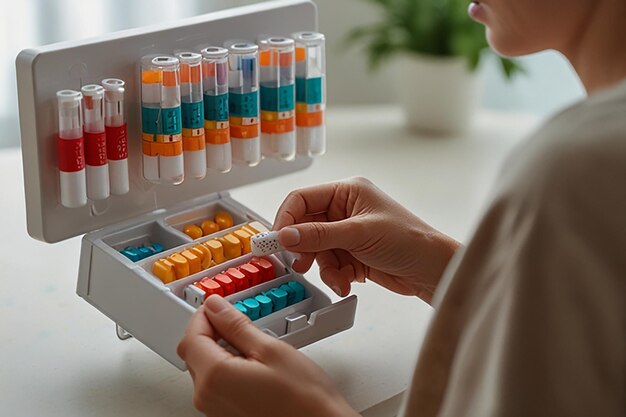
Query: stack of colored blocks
{"points": [[272, 300], [231, 281], [136, 254], [207, 254]]}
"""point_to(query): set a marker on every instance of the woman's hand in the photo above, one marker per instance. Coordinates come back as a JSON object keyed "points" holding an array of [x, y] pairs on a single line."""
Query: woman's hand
{"points": [[271, 378], [355, 231]]}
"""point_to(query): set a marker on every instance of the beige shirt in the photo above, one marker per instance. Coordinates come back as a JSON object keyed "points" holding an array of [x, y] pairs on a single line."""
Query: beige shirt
{"points": [[531, 318]]}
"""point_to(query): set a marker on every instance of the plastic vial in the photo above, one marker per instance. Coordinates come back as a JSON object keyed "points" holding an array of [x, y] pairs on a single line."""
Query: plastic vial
{"points": [[243, 102], [310, 93], [70, 147], [216, 128], [116, 135], [97, 167], [278, 136], [161, 120], [193, 114]]}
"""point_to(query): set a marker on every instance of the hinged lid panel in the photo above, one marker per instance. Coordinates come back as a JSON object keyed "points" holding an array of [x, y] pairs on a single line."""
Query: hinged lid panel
{"points": [[41, 72]]}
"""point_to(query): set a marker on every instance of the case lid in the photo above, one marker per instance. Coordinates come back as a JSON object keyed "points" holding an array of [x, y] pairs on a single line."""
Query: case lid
{"points": [[41, 72]]}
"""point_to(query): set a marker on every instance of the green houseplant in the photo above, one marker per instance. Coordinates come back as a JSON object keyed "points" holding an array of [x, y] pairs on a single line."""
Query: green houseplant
{"points": [[437, 49]]}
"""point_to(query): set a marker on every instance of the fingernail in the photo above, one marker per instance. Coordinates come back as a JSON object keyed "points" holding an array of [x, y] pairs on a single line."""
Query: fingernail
{"points": [[289, 236], [336, 288], [215, 303]]}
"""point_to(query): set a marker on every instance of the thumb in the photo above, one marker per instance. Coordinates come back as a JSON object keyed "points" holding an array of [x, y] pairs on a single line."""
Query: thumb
{"points": [[235, 327], [320, 236]]}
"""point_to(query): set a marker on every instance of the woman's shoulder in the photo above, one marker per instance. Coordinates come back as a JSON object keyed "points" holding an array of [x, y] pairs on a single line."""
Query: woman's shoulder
{"points": [[576, 150]]}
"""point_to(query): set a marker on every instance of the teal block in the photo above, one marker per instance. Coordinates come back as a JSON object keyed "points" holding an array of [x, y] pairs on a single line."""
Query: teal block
{"points": [[254, 308], [266, 304], [278, 98], [298, 289], [244, 105], [131, 253], [145, 252], [157, 247], [193, 115], [278, 297], [216, 107], [291, 293], [157, 121], [239, 306], [309, 90]]}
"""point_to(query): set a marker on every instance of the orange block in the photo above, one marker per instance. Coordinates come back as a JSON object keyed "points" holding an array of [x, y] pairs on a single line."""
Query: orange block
{"points": [[310, 119], [163, 149], [189, 73], [300, 54], [209, 227], [181, 265], [244, 132], [205, 255], [217, 250], [217, 136], [164, 270], [170, 78], [193, 231], [151, 76], [224, 220], [208, 69], [244, 238], [278, 126], [232, 246], [195, 262]]}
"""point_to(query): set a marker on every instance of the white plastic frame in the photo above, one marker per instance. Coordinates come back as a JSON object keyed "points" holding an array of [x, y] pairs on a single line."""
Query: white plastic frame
{"points": [[69, 65]]}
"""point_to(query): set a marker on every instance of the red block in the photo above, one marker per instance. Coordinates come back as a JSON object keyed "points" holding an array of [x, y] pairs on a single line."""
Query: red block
{"points": [[241, 281], [209, 287], [253, 273], [226, 283], [266, 268]]}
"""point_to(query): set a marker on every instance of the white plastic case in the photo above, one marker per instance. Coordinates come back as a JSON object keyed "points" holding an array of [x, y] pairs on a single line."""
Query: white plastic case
{"points": [[127, 292]]}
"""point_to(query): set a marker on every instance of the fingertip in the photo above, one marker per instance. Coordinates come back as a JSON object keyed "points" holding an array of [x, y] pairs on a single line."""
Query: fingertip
{"points": [[215, 304], [289, 236]]}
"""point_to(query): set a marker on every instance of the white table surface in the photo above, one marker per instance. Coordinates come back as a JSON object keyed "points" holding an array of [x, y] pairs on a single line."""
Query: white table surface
{"points": [[60, 357]]}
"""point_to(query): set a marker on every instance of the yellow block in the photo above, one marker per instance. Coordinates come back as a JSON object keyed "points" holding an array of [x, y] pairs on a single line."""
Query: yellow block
{"points": [[181, 265], [256, 227], [244, 238], [232, 246], [195, 262], [205, 255], [164, 270], [217, 250]]}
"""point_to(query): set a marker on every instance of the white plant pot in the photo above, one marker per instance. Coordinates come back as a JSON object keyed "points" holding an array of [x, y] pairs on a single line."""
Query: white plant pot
{"points": [[438, 94]]}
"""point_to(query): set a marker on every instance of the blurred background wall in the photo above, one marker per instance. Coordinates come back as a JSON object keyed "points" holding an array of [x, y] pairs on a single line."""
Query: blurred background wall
{"points": [[549, 84]]}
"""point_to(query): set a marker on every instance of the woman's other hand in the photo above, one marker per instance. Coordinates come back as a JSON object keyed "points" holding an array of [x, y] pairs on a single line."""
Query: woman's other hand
{"points": [[271, 378]]}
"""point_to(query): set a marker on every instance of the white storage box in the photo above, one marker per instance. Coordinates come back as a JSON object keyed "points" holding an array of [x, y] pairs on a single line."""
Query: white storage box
{"points": [[127, 292]]}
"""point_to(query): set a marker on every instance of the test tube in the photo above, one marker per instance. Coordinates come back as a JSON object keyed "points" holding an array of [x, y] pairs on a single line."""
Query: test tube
{"points": [[216, 128], [97, 169], [115, 127], [310, 93], [193, 114], [70, 148], [161, 120], [243, 102], [278, 136]]}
